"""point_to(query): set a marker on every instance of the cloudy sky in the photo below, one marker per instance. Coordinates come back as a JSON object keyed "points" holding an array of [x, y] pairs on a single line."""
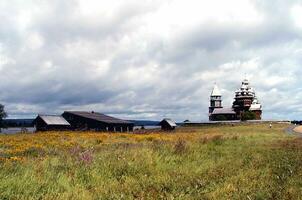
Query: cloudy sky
{"points": [[148, 59]]}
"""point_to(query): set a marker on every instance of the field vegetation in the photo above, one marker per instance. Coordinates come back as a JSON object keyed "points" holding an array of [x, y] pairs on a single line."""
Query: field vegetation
{"points": [[210, 162]]}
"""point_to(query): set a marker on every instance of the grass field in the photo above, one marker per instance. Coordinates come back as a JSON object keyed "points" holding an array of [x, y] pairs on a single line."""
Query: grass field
{"points": [[222, 162]]}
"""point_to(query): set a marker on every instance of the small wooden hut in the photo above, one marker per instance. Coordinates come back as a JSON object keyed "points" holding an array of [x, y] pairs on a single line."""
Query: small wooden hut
{"points": [[51, 123], [167, 124]]}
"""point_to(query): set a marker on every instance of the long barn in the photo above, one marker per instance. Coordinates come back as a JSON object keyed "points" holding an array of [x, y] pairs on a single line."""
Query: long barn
{"points": [[81, 120]]}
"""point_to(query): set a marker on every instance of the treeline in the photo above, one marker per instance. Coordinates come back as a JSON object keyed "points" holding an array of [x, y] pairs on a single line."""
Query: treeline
{"points": [[18, 122]]}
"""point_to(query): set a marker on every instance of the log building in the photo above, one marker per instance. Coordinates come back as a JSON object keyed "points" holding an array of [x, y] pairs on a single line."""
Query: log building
{"points": [[245, 100], [167, 124], [80, 120]]}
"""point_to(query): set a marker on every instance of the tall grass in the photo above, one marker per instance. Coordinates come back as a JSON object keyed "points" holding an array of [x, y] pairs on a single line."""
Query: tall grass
{"points": [[225, 162]]}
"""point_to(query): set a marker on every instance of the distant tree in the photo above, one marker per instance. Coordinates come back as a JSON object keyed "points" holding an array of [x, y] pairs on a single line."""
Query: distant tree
{"points": [[248, 115], [2, 115]]}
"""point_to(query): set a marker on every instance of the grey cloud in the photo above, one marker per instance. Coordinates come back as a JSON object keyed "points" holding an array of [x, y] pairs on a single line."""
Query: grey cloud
{"points": [[109, 65]]}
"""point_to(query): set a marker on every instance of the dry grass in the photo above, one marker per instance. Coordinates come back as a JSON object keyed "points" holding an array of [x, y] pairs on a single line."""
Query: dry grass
{"points": [[225, 162]]}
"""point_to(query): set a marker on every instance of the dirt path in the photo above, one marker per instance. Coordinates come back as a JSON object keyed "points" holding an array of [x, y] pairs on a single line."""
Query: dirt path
{"points": [[298, 129], [294, 130]]}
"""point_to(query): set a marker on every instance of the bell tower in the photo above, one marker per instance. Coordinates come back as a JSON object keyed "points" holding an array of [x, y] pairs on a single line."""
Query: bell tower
{"points": [[215, 99]]}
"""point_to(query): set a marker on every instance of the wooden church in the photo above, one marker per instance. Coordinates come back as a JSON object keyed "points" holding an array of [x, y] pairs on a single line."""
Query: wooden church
{"points": [[245, 100]]}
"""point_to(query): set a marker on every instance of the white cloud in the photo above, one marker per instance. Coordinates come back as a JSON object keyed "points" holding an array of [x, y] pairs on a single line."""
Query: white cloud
{"points": [[34, 41], [182, 15], [296, 13]]}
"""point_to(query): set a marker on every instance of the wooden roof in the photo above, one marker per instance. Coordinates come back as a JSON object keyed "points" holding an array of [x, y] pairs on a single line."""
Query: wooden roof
{"points": [[99, 117], [219, 111], [54, 120], [168, 121]]}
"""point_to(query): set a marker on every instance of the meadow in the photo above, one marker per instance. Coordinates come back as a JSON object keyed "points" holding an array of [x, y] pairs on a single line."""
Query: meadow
{"points": [[210, 162]]}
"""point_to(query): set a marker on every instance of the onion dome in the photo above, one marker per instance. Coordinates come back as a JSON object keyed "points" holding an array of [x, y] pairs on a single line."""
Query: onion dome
{"points": [[245, 89]]}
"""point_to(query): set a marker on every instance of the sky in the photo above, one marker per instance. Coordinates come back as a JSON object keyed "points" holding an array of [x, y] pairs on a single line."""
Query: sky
{"points": [[148, 59]]}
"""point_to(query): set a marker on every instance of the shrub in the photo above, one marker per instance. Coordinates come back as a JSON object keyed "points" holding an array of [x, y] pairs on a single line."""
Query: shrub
{"points": [[221, 118], [158, 145], [218, 138], [248, 115], [34, 152], [81, 155], [98, 141], [180, 146]]}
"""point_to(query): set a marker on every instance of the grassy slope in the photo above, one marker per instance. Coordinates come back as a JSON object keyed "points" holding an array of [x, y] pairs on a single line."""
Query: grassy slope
{"points": [[240, 162]]}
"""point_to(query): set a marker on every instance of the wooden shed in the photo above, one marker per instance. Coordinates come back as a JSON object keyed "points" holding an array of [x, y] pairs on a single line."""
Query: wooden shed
{"points": [[167, 124], [51, 123], [81, 120]]}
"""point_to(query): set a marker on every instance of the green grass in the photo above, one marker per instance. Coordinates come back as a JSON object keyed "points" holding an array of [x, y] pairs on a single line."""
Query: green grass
{"points": [[223, 162]]}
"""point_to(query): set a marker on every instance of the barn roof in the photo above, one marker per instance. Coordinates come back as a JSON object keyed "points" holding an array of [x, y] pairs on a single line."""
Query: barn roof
{"points": [[99, 117], [169, 121], [54, 120], [218, 111]]}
